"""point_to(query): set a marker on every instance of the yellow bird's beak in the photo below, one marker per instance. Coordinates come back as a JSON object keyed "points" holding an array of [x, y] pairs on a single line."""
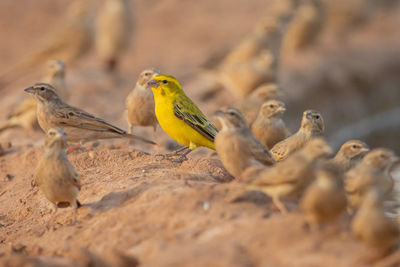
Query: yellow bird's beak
{"points": [[153, 83]]}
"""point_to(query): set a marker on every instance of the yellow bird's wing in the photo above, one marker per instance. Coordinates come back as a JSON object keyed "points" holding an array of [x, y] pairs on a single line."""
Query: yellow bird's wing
{"points": [[186, 110]]}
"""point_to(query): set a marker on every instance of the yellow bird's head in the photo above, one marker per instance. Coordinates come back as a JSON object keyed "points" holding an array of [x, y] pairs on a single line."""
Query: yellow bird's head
{"points": [[165, 85]]}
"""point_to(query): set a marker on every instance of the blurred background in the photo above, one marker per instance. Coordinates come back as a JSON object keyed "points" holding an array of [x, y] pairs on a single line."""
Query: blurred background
{"points": [[339, 57]]}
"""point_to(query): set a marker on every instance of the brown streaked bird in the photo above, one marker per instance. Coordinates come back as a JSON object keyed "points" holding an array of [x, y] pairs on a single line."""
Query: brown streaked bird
{"points": [[242, 79], [72, 39], [236, 145], [349, 155], [325, 198], [113, 31], [24, 115], [292, 176], [250, 105], [269, 127], [79, 125], [303, 29], [312, 125], [372, 226], [372, 172], [55, 175], [140, 102]]}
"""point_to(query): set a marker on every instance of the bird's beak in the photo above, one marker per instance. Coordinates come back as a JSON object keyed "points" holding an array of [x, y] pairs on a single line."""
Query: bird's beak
{"points": [[153, 83], [281, 109], [309, 116], [30, 90], [395, 159], [219, 113], [365, 149]]}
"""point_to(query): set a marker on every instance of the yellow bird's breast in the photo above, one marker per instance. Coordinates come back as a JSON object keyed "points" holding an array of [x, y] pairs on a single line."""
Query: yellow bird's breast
{"points": [[177, 128]]}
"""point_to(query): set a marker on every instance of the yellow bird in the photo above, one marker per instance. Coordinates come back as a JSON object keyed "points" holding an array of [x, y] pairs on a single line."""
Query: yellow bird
{"points": [[179, 117]]}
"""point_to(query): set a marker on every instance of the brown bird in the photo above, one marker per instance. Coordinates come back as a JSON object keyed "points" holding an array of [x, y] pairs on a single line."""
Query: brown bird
{"points": [[55, 175], [304, 28], [70, 41], [312, 125], [250, 105], [269, 127], [373, 171], [79, 125], [24, 115], [292, 176], [372, 226], [325, 198], [235, 144], [349, 155], [113, 31], [140, 102]]}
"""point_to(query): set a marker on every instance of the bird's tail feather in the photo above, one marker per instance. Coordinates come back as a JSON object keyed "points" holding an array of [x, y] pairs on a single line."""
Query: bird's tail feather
{"points": [[132, 136]]}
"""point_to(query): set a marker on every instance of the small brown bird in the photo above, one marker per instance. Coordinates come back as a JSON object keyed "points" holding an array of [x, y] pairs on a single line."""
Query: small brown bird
{"points": [[79, 125], [292, 176], [312, 125], [325, 198], [269, 127], [140, 102], [303, 28], [372, 226], [242, 79], [373, 171], [349, 155], [55, 175], [250, 105], [235, 144], [24, 115], [113, 31], [71, 40]]}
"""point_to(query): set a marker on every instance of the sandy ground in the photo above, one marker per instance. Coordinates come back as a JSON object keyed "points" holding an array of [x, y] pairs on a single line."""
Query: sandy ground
{"points": [[139, 208]]}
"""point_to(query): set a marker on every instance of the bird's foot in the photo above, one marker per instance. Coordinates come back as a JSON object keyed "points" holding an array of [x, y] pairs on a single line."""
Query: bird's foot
{"points": [[177, 156]]}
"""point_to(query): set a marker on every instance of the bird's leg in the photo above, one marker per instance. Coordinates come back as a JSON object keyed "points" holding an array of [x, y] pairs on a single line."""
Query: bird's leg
{"points": [[52, 217], [278, 203], [75, 207], [182, 156]]}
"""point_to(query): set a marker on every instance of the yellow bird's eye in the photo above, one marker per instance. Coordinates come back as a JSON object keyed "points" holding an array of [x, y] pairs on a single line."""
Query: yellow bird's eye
{"points": [[165, 81]]}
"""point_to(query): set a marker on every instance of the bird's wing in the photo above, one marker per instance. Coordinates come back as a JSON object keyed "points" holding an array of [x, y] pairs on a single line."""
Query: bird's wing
{"points": [[186, 110], [74, 117], [284, 173], [260, 152]]}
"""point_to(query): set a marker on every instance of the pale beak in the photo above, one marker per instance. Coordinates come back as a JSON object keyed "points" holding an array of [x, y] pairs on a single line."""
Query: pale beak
{"points": [[219, 113], [30, 90], [153, 83], [281, 109]]}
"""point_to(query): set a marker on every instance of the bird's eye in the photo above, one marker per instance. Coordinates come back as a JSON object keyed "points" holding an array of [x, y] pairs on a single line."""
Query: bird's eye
{"points": [[355, 146], [52, 133], [232, 113], [146, 74], [165, 81], [317, 117], [271, 106], [42, 88]]}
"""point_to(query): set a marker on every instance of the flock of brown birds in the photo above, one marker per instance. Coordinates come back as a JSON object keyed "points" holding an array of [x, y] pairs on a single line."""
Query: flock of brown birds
{"points": [[253, 143]]}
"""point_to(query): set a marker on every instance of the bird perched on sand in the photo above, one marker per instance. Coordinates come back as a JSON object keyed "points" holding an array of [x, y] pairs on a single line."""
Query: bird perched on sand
{"points": [[242, 79], [325, 199], [372, 226], [312, 125], [55, 175], [79, 125], [140, 102], [349, 155], [372, 172], [179, 116], [250, 105], [292, 176], [269, 127], [24, 114], [235, 144], [71, 40], [303, 29], [113, 31]]}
